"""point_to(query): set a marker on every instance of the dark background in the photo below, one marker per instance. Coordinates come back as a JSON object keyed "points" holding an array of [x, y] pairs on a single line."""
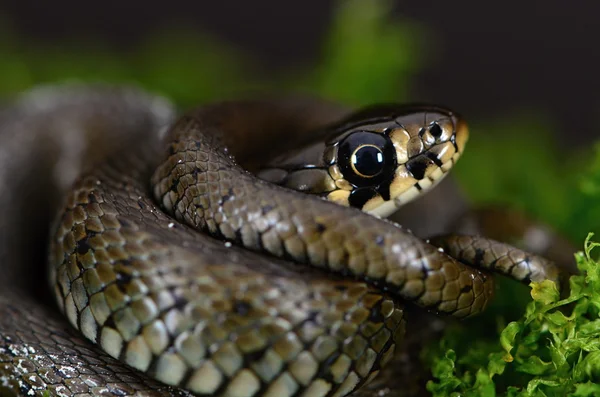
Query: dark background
{"points": [[484, 59]]}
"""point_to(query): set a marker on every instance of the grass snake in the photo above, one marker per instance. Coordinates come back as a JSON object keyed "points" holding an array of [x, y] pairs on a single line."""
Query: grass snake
{"points": [[175, 260]]}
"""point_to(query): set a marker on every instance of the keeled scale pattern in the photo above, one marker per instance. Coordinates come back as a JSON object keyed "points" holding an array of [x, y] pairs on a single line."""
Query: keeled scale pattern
{"points": [[195, 313], [201, 186], [40, 353], [192, 312], [499, 257]]}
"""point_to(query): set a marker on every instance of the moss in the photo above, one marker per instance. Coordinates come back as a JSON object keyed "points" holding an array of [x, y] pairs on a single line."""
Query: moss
{"points": [[552, 350]]}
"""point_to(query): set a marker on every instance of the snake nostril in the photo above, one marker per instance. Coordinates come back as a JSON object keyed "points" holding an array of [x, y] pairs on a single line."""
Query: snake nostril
{"points": [[436, 131]]}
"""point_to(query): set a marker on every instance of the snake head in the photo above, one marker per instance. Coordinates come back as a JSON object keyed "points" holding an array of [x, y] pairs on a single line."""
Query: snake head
{"points": [[385, 157]]}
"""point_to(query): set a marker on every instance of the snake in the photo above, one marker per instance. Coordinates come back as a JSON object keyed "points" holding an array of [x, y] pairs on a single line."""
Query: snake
{"points": [[239, 249]]}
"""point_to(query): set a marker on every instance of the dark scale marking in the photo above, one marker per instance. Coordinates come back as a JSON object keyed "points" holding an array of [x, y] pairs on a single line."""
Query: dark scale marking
{"points": [[320, 227], [375, 315], [528, 276], [174, 185], [433, 157], [386, 347], [125, 223], [453, 141], [379, 240], [266, 209], [126, 262], [324, 367], [466, 288], [417, 166], [242, 308], [238, 238], [224, 198], [359, 197], [123, 278], [179, 301], [110, 322], [312, 316], [255, 356], [83, 247], [384, 190], [478, 260]]}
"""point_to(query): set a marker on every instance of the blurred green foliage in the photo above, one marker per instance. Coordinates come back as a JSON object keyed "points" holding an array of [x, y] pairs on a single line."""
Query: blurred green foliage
{"points": [[189, 67], [366, 57], [517, 161], [182, 65], [370, 56]]}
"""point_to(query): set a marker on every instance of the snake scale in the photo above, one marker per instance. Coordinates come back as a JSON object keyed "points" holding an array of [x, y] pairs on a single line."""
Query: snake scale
{"points": [[190, 275]]}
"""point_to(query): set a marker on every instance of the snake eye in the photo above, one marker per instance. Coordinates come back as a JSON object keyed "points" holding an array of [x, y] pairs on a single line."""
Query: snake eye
{"points": [[367, 158], [367, 161]]}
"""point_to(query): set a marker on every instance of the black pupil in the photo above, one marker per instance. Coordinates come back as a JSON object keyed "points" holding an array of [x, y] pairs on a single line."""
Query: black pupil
{"points": [[368, 160]]}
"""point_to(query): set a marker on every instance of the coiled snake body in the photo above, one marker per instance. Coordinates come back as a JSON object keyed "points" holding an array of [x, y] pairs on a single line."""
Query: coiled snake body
{"points": [[209, 296]]}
